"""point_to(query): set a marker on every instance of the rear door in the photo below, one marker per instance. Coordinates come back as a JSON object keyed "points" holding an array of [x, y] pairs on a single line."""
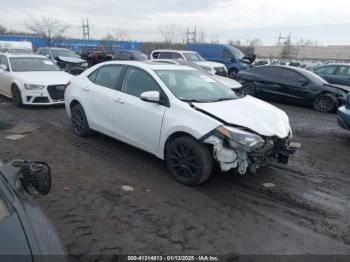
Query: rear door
{"points": [[135, 121], [98, 95]]}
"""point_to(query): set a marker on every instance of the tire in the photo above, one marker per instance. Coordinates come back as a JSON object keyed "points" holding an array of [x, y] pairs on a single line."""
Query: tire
{"points": [[325, 103], [233, 73], [189, 162], [249, 88], [16, 95], [79, 121]]}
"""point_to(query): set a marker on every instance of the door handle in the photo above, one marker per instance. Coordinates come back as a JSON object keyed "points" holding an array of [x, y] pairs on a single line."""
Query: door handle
{"points": [[86, 89], [119, 100]]}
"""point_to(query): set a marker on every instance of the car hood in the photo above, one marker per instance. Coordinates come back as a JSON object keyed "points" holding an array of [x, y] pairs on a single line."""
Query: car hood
{"points": [[210, 64], [44, 78], [73, 60], [342, 87], [254, 114]]}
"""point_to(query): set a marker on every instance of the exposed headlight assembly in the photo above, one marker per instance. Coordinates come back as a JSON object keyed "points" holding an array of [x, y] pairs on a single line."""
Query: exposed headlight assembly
{"points": [[33, 87], [240, 139]]}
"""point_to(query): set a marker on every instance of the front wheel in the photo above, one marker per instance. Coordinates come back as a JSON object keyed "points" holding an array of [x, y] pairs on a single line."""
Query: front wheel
{"points": [[16, 95], [189, 162], [79, 121], [325, 103]]}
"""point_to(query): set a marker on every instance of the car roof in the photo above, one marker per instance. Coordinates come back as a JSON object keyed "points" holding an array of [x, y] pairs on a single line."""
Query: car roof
{"points": [[24, 55], [149, 65], [171, 50]]}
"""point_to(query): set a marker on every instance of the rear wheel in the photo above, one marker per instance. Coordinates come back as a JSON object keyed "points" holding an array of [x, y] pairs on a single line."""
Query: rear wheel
{"points": [[189, 162], [326, 103], [16, 95], [79, 122], [233, 73]]}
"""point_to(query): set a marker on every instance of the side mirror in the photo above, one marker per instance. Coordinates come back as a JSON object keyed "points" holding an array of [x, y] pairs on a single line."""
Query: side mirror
{"points": [[35, 174], [150, 96], [3, 67]]}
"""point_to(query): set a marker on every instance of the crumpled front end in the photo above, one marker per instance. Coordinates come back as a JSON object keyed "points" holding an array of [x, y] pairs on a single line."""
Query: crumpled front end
{"points": [[241, 150]]}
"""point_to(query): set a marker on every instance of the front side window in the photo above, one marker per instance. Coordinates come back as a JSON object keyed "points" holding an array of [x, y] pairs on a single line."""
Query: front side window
{"points": [[107, 76], [343, 71], [3, 61], [194, 86], [30, 64], [326, 70], [228, 56], [137, 81], [291, 76]]}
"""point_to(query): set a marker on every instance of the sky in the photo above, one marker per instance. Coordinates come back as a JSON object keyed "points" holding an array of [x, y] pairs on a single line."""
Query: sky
{"points": [[325, 21]]}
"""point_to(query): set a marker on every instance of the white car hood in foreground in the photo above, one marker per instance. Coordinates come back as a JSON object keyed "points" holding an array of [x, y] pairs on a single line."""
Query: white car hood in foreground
{"points": [[43, 78], [252, 113], [210, 64]]}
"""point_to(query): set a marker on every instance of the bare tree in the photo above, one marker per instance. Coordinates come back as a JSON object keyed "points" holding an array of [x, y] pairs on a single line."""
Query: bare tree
{"points": [[49, 28], [170, 33], [122, 35], [287, 48], [3, 30]]}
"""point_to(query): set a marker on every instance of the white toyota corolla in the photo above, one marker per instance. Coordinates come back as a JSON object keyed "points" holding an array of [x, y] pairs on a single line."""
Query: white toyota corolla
{"points": [[180, 115], [32, 79]]}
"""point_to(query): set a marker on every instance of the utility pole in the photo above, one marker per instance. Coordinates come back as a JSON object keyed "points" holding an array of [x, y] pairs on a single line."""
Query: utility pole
{"points": [[191, 36], [86, 29]]}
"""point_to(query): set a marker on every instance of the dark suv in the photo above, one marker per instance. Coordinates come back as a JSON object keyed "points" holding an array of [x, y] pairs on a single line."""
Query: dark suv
{"points": [[94, 56], [130, 55]]}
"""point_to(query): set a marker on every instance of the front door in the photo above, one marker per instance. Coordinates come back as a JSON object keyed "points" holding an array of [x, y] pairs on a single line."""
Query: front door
{"points": [[135, 121]]}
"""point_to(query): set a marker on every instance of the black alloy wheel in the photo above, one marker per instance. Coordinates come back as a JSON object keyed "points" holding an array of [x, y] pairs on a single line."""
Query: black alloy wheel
{"points": [[189, 161], [326, 103], [16, 95], [79, 122]]}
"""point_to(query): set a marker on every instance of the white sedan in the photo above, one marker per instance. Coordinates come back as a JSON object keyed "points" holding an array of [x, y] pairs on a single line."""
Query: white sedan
{"points": [[180, 115], [32, 80]]}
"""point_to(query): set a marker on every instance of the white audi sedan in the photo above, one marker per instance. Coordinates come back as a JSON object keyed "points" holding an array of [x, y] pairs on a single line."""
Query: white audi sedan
{"points": [[180, 115], [32, 80]]}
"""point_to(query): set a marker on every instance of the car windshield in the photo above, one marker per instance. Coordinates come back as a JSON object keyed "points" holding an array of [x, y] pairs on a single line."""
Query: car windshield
{"points": [[140, 56], [21, 51], [28, 64], [63, 52], [193, 57], [236, 52], [194, 86]]}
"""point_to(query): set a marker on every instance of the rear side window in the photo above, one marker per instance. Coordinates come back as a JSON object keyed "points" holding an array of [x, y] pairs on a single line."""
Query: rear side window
{"points": [[137, 81], [155, 55], [271, 72], [107, 76], [326, 70], [4, 210]]}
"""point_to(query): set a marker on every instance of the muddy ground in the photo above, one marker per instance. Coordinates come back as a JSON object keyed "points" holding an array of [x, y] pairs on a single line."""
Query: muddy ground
{"points": [[306, 212]]}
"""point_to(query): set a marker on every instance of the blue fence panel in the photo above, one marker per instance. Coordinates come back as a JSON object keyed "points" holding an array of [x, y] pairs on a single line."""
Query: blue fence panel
{"points": [[74, 44]]}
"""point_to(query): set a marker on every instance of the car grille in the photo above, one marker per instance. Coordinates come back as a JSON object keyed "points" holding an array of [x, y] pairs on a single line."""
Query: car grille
{"points": [[56, 92], [220, 71]]}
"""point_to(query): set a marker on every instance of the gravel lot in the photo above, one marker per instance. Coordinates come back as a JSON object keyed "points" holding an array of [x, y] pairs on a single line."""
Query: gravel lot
{"points": [[306, 212]]}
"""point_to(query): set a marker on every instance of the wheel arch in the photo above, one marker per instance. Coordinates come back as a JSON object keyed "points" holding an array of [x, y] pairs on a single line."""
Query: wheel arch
{"points": [[174, 136]]}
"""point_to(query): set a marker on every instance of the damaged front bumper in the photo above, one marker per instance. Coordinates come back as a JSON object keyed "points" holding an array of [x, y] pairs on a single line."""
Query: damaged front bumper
{"points": [[243, 158]]}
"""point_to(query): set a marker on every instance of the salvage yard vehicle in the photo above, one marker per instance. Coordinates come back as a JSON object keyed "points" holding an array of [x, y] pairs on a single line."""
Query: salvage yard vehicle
{"points": [[16, 47], [25, 232], [65, 59], [179, 114], [230, 83], [96, 55], [293, 85], [344, 114], [32, 80], [191, 56], [130, 55], [335, 73], [231, 57]]}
